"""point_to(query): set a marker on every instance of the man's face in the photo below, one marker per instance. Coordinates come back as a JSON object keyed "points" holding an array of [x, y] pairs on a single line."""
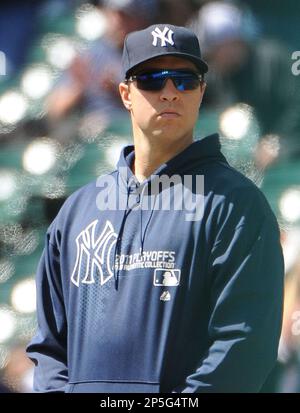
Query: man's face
{"points": [[167, 114]]}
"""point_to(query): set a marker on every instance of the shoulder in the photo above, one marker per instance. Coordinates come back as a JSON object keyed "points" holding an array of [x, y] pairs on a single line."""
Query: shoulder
{"points": [[222, 178], [232, 193]]}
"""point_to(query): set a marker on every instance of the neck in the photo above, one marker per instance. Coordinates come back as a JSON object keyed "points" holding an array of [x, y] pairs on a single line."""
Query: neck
{"points": [[150, 154]]}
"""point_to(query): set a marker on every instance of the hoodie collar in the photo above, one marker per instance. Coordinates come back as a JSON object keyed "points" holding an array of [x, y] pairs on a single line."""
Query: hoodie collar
{"points": [[198, 152]]}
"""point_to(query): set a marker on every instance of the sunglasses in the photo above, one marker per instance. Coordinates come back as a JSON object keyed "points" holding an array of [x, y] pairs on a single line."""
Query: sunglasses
{"points": [[155, 80]]}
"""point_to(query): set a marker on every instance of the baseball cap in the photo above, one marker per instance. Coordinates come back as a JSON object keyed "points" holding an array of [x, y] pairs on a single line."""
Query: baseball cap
{"points": [[161, 40]]}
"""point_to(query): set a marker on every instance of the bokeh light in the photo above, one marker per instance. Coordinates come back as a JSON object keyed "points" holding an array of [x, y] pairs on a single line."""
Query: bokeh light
{"points": [[60, 51], [7, 323], [23, 296], [235, 121], [36, 81], [7, 184], [112, 153], [289, 204], [13, 106], [40, 156], [91, 23]]}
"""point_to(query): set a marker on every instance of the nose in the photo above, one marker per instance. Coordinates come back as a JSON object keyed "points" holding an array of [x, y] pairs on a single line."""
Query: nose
{"points": [[169, 92]]}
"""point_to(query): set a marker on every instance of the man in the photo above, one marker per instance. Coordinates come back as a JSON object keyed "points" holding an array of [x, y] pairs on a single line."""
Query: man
{"points": [[134, 296]]}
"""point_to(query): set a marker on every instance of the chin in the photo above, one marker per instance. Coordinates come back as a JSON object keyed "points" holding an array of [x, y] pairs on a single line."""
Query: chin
{"points": [[163, 133], [168, 137]]}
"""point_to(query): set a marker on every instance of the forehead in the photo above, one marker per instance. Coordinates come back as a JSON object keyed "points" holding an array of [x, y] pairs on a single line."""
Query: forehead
{"points": [[167, 62]]}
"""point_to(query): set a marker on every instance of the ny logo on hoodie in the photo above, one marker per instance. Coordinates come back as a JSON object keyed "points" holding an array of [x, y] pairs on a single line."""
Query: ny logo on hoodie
{"points": [[94, 255]]}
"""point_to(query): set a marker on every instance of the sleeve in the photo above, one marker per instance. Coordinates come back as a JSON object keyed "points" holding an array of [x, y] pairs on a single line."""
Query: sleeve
{"points": [[246, 297], [48, 348]]}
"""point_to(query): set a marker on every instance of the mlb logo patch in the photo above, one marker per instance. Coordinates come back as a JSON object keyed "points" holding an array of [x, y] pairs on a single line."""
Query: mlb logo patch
{"points": [[166, 278]]}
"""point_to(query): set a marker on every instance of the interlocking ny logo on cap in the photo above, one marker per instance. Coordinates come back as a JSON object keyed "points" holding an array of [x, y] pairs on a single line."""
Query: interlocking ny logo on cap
{"points": [[165, 36]]}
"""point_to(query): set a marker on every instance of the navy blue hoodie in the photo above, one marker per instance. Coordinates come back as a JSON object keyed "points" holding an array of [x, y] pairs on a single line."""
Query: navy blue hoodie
{"points": [[133, 299]]}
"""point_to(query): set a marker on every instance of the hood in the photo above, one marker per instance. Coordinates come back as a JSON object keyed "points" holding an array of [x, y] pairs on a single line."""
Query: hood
{"points": [[204, 150]]}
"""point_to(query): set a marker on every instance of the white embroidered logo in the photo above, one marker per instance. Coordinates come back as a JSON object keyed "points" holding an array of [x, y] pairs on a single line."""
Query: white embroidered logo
{"points": [[166, 296], [165, 36], [94, 255], [166, 278]]}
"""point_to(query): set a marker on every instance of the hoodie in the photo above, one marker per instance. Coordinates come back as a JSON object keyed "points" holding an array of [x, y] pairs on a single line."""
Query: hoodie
{"points": [[134, 295]]}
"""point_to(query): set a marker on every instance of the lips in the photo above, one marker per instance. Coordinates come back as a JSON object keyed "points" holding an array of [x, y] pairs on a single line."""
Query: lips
{"points": [[169, 113]]}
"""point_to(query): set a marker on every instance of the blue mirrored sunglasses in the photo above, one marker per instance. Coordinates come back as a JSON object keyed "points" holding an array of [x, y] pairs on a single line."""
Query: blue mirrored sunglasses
{"points": [[155, 80]]}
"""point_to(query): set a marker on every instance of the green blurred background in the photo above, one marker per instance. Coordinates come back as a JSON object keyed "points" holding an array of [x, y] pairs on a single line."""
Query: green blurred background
{"points": [[45, 157]]}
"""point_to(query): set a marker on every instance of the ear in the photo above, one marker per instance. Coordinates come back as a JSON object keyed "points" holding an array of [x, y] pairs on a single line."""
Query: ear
{"points": [[125, 95]]}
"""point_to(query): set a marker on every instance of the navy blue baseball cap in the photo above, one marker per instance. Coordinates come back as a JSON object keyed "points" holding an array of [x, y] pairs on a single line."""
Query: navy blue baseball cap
{"points": [[161, 40]]}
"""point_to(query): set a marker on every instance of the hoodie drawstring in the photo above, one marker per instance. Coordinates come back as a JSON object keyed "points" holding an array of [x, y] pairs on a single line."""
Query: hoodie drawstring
{"points": [[142, 232], [119, 237]]}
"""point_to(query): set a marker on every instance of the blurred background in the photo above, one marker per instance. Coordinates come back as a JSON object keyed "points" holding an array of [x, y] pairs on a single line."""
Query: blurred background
{"points": [[62, 125]]}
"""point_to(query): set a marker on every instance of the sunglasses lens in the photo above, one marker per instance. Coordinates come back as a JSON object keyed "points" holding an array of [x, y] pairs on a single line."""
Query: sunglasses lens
{"points": [[154, 81], [188, 81], [150, 81]]}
